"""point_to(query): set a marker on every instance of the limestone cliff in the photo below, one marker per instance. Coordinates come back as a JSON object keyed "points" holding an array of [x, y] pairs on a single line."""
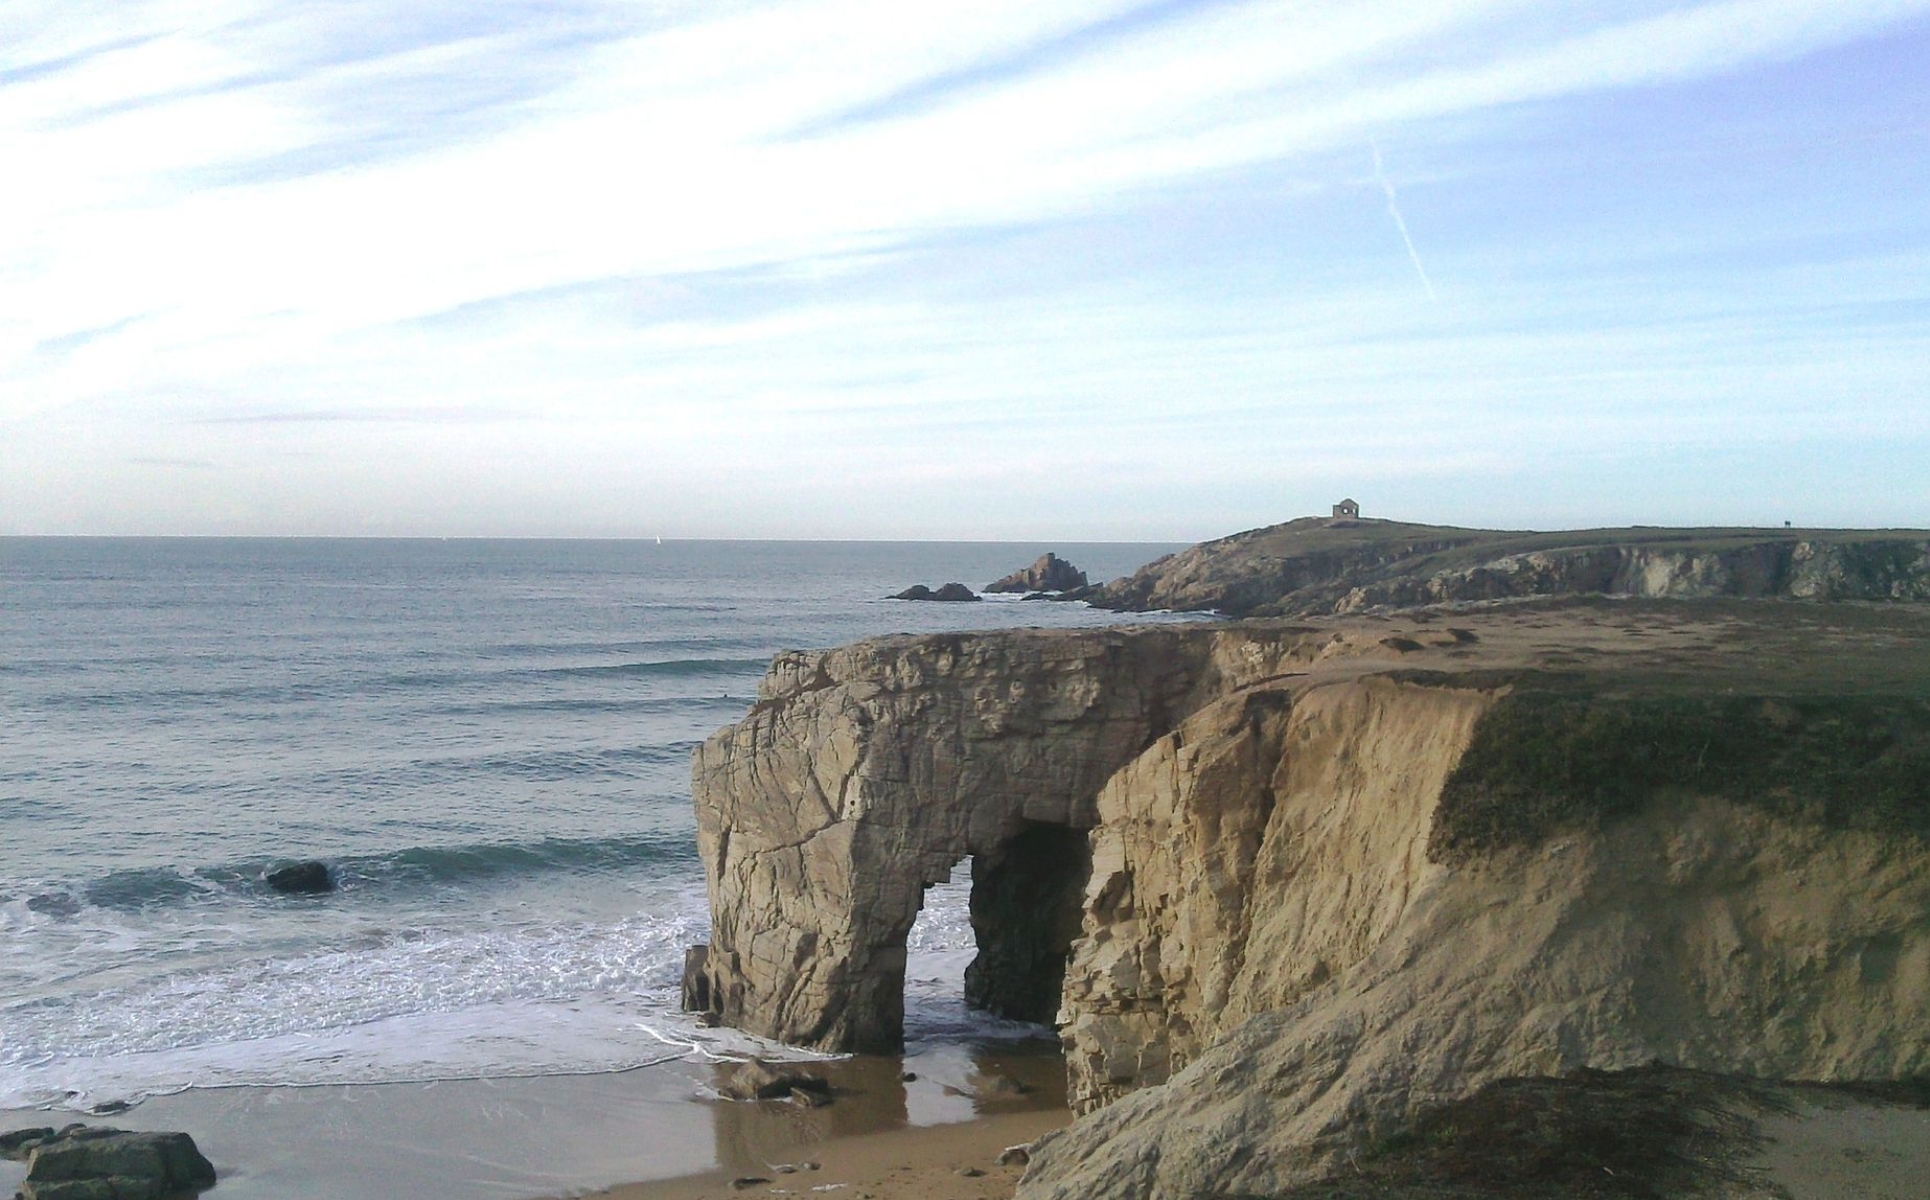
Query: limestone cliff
{"points": [[1322, 873], [862, 775], [1323, 566], [1304, 919], [1247, 858]]}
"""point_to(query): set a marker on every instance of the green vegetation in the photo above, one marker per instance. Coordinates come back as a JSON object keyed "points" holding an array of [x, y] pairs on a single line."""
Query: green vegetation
{"points": [[1315, 565], [1646, 1134], [1547, 761]]}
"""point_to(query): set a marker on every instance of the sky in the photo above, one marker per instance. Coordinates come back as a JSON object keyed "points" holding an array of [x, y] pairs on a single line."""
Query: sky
{"points": [[1096, 270]]}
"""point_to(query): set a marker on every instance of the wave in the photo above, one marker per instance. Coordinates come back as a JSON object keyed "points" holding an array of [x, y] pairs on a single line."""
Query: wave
{"points": [[661, 645], [674, 666], [537, 766], [455, 864], [141, 888], [584, 706], [351, 685], [409, 1001]]}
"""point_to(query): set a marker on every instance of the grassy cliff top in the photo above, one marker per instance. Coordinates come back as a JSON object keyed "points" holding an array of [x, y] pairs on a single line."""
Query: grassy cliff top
{"points": [[1314, 565]]}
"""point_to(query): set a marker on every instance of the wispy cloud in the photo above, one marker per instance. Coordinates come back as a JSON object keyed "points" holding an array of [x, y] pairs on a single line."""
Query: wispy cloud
{"points": [[835, 219], [1400, 222]]}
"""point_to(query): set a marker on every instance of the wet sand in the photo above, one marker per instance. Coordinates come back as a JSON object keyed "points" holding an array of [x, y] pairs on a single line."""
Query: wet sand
{"points": [[940, 1162], [511, 1139], [654, 1135]]}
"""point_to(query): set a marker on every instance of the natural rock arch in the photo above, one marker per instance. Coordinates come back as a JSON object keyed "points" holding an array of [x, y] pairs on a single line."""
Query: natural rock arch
{"points": [[862, 774]]}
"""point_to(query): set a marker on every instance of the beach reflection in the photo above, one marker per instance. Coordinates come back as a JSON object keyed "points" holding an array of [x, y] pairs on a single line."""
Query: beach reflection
{"points": [[934, 1086]]}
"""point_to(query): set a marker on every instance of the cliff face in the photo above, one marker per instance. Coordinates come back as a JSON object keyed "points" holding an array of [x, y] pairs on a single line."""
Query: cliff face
{"points": [[1279, 937], [1321, 874], [1316, 566], [863, 774], [1247, 858]]}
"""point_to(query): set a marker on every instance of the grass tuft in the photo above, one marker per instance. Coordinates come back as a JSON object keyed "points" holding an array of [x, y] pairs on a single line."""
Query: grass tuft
{"points": [[1546, 762]]}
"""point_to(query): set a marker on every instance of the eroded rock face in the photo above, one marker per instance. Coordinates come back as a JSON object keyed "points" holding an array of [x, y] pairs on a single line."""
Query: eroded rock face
{"points": [[863, 774], [1315, 566], [1317, 897], [1247, 858], [1267, 932], [1049, 573]]}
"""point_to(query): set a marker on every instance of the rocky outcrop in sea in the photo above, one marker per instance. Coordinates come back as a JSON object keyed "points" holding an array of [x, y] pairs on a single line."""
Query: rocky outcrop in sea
{"points": [[949, 592], [1049, 573]]}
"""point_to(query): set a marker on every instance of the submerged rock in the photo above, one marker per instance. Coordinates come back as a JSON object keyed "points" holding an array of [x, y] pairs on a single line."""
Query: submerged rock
{"points": [[300, 879], [759, 1080]]}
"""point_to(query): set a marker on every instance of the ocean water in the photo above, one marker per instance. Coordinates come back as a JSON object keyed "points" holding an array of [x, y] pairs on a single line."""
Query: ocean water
{"points": [[489, 743]]}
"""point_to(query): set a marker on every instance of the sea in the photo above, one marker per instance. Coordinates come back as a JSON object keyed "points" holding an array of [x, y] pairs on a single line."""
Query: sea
{"points": [[488, 742]]}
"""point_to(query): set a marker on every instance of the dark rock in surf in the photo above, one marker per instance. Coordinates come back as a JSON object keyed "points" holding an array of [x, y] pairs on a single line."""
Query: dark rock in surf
{"points": [[949, 592], [300, 879], [759, 1080], [1049, 574], [113, 1164], [54, 904], [696, 984]]}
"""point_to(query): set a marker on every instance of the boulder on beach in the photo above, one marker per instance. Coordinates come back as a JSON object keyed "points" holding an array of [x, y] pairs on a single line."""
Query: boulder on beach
{"points": [[300, 879], [759, 1080], [87, 1163], [15, 1143], [950, 591], [1049, 574]]}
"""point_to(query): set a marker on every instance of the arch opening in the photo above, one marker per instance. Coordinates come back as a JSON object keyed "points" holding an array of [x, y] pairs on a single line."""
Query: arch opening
{"points": [[1027, 901]]}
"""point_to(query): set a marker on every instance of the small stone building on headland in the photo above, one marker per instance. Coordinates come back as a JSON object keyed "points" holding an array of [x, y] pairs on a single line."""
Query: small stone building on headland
{"points": [[1347, 509]]}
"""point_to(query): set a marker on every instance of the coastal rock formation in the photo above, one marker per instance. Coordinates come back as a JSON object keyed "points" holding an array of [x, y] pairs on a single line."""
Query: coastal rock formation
{"points": [[97, 1163], [300, 879], [1319, 924], [950, 592], [1342, 869], [861, 775], [1049, 574], [1314, 565], [1247, 858]]}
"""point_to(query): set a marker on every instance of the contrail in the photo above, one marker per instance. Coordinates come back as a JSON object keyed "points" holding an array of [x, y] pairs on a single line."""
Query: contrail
{"points": [[1400, 222]]}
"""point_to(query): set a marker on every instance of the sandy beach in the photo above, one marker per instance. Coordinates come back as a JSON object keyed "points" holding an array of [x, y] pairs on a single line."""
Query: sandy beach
{"points": [[516, 1138], [940, 1162], [657, 1134], [1829, 1146]]}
